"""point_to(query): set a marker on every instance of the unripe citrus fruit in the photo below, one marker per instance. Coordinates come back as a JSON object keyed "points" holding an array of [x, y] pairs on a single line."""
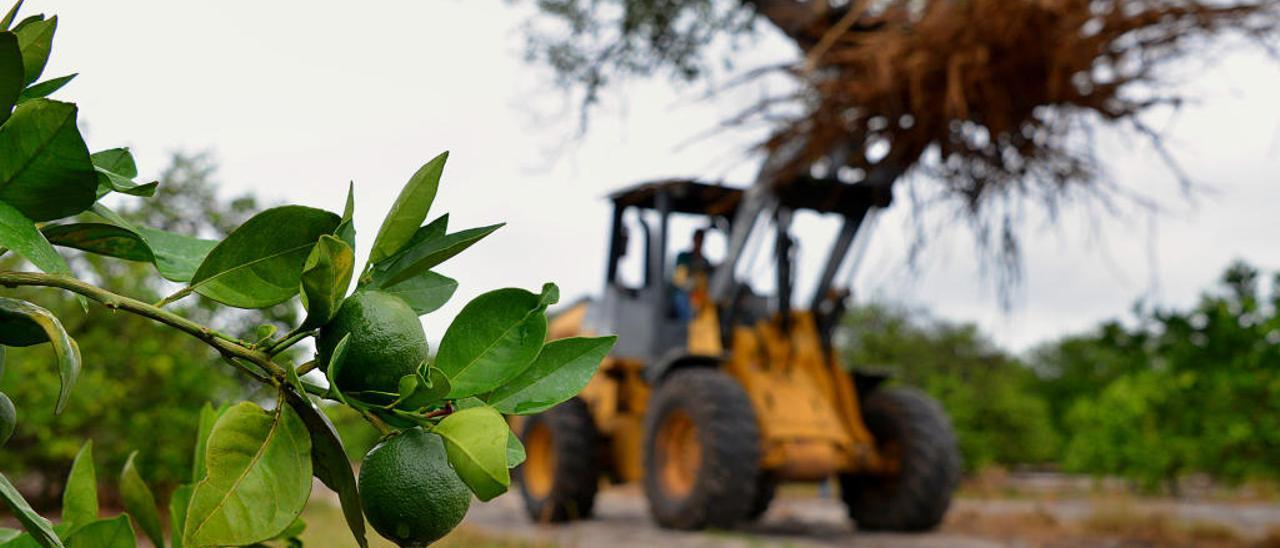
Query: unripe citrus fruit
{"points": [[386, 343], [8, 418], [409, 493]]}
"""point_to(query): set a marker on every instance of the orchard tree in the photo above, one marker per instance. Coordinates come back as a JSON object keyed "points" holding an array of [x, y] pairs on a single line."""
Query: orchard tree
{"points": [[444, 434], [989, 103]]}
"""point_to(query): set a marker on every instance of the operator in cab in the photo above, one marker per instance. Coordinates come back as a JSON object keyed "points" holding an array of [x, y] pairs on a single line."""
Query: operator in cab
{"points": [[689, 278]]}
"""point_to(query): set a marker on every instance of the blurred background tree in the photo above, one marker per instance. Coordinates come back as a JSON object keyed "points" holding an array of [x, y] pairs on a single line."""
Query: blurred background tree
{"points": [[144, 378], [990, 395], [1151, 399]]}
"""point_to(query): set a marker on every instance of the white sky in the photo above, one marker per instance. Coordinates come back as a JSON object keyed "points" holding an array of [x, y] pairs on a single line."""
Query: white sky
{"points": [[297, 98]]}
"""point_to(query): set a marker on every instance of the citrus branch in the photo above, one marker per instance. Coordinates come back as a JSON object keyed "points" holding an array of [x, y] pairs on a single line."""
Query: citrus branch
{"points": [[227, 346]]}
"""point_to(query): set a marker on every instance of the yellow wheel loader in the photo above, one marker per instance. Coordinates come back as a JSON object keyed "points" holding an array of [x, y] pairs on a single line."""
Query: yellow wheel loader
{"points": [[719, 388]]}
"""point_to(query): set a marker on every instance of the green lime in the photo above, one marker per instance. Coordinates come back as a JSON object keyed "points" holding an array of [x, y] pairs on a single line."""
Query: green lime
{"points": [[386, 343], [409, 492], [8, 418]]}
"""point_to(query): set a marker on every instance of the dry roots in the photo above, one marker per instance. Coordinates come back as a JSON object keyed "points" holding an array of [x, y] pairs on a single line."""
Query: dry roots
{"points": [[988, 95]]}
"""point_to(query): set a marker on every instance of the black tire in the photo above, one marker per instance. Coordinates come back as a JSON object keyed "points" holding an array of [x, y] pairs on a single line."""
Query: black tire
{"points": [[574, 465], [766, 488], [723, 484], [916, 497]]}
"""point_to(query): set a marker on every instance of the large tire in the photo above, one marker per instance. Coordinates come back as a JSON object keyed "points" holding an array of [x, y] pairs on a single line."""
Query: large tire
{"points": [[766, 488], [702, 451], [561, 472], [911, 428]]}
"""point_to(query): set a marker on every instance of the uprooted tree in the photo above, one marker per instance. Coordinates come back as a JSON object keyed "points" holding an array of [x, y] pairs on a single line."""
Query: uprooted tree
{"points": [[444, 434], [989, 101]]}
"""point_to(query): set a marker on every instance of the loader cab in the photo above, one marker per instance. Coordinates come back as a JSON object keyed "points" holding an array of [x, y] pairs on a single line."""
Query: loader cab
{"points": [[654, 221], [651, 223]]}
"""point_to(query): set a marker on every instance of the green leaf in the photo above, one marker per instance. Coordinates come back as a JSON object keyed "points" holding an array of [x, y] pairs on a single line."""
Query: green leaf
{"points": [[7, 534], [409, 210], [326, 275], [35, 38], [259, 477], [10, 74], [80, 495], [16, 320], [260, 263], [329, 462], [561, 371], [114, 532], [111, 181], [116, 160], [9, 17], [476, 442], [428, 252], [515, 450], [45, 171], [34, 523], [176, 256], [45, 88], [19, 233], [347, 229], [208, 417], [139, 502], [493, 339], [335, 365], [102, 239], [426, 292], [418, 390], [178, 502]]}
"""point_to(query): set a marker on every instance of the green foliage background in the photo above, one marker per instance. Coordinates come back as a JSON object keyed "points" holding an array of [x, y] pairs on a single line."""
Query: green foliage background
{"points": [[141, 378]]}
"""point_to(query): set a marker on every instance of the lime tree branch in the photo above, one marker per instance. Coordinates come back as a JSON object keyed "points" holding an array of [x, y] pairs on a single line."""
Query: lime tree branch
{"points": [[229, 347]]}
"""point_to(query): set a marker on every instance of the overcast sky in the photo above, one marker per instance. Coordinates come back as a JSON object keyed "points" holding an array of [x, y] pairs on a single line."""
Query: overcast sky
{"points": [[297, 98]]}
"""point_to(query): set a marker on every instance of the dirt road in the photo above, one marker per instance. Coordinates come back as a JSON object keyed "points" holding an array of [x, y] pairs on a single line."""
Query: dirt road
{"points": [[802, 521]]}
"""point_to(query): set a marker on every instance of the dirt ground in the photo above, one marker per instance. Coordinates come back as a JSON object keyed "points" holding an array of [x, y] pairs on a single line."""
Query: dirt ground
{"points": [[1027, 516]]}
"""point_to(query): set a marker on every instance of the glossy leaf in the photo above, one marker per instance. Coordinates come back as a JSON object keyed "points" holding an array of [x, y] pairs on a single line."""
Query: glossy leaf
{"points": [[347, 228], [114, 532], [260, 263], [45, 88], [419, 390], [329, 462], [493, 339], [427, 253], [178, 502], [335, 365], [19, 319], [9, 17], [476, 442], [35, 38], [561, 371], [409, 210], [426, 292], [139, 502], [515, 450], [80, 495], [102, 239], [116, 160], [34, 523], [18, 232], [45, 171], [10, 74], [258, 481], [208, 417], [326, 275], [176, 256], [111, 181]]}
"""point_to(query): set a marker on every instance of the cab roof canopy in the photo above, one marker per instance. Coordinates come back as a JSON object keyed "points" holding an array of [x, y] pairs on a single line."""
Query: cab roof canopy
{"points": [[803, 193]]}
